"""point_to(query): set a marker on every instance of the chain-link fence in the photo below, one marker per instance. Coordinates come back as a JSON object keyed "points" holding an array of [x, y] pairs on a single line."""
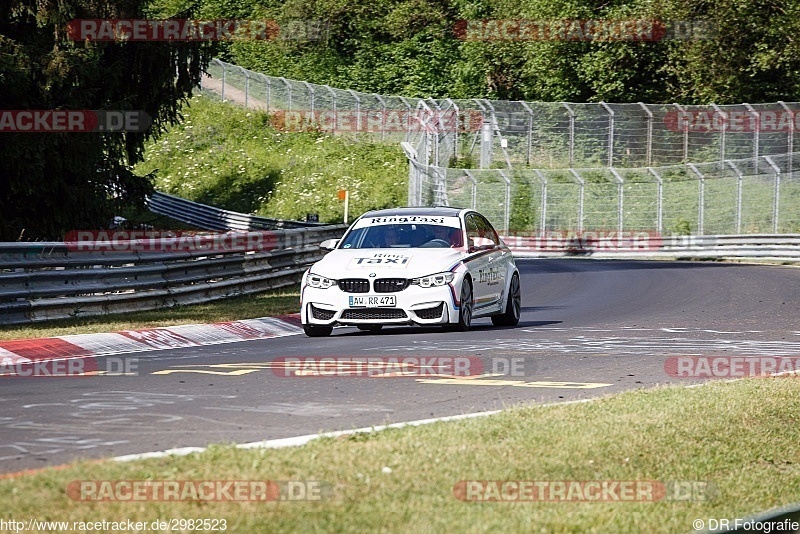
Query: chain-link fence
{"points": [[754, 195], [491, 134]]}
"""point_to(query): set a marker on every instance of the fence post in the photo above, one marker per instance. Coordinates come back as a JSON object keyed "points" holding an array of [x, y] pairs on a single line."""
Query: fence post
{"points": [[413, 173], [268, 89], [776, 200], [222, 92], [724, 130], [246, 85], [474, 189], [571, 132], [289, 91], [756, 128], [311, 97], [659, 200], [408, 117], [620, 183], [383, 115], [611, 115], [702, 203], [738, 173], [581, 183], [685, 132], [544, 202], [790, 138], [649, 149], [358, 111], [507, 210], [530, 131]]}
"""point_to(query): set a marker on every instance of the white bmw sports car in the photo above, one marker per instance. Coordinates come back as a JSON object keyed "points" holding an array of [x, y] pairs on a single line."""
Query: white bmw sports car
{"points": [[426, 266]]}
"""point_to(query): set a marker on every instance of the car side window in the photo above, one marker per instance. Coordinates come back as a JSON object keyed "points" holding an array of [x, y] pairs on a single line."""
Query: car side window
{"points": [[480, 232], [486, 230]]}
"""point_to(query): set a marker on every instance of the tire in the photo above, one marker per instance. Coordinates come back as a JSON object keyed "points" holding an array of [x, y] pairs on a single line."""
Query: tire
{"points": [[370, 327], [465, 310], [317, 331], [510, 317]]}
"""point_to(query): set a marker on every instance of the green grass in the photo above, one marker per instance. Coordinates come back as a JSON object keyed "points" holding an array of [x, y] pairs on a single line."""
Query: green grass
{"points": [[741, 438], [230, 157], [276, 302]]}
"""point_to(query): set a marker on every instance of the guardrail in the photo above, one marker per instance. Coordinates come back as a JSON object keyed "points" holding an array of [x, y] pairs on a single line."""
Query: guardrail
{"points": [[211, 218], [645, 245], [42, 281], [52, 280]]}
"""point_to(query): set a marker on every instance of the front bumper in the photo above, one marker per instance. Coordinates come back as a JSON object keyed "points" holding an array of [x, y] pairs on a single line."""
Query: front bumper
{"points": [[414, 305]]}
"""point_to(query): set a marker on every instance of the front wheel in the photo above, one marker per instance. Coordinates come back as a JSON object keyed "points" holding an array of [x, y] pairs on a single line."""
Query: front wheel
{"points": [[510, 317], [317, 331], [465, 311]]}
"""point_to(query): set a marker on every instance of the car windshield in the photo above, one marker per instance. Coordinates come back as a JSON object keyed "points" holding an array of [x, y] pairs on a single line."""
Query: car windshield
{"points": [[403, 236]]}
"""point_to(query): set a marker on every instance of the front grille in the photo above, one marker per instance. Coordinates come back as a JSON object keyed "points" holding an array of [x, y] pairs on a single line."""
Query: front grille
{"points": [[374, 314], [390, 285], [430, 313], [354, 285], [322, 315]]}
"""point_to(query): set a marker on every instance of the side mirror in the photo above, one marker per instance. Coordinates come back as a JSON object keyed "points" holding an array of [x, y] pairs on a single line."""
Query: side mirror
{"points": [[329, 244]]}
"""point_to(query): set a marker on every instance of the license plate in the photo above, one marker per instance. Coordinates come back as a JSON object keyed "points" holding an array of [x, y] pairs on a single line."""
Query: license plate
{"points": [[373, 301]]}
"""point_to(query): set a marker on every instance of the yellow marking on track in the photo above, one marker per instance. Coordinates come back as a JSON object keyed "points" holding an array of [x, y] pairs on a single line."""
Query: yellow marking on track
{"points": [[485, 380]]}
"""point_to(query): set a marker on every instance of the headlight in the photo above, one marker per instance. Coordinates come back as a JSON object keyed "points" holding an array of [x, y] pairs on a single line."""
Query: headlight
{"points": [[434, 280], [315, 280]]}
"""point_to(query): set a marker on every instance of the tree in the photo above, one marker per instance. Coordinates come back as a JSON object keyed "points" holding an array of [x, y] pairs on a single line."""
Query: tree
{"points": [[54, 182]]}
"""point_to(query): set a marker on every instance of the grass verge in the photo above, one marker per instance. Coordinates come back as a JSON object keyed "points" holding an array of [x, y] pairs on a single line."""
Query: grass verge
{"points": [[740, 437], [276, 302]]}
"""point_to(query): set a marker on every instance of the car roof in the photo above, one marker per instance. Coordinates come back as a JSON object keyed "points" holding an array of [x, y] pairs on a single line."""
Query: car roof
{"points": [[442, 211]]}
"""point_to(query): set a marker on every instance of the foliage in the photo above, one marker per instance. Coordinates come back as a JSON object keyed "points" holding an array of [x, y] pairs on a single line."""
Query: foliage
{"points": [[729, 52], [232, 158], [53, 182]]}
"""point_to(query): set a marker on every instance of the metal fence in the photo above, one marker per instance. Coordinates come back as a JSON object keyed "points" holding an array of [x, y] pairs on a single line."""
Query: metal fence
{"points": [[547, 135], [754, 195]]}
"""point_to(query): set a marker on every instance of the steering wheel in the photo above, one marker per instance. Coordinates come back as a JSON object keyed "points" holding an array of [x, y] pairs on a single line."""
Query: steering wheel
{"points": [[436, 243]]}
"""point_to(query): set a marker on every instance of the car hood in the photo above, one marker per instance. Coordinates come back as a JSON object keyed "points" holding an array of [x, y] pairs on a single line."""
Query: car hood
{"points": [[386, 262]]}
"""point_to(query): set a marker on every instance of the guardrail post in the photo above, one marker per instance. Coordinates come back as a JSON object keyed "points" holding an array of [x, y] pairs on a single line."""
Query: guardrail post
{"points": [[702, 202]]}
